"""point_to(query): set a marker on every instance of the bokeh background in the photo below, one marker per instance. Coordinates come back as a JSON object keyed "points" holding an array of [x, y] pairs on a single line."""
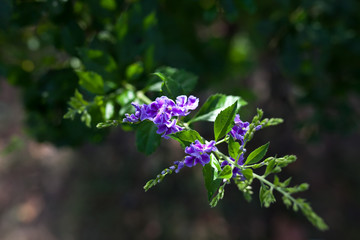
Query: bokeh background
{"points": [[299, 60]]}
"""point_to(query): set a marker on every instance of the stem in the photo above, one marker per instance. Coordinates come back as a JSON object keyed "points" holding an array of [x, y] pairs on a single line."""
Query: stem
{"points": [[279, 189], [222, 140]]}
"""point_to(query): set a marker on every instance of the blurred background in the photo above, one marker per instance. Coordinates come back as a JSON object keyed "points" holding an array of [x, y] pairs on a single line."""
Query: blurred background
{"points": [[59, 179]]}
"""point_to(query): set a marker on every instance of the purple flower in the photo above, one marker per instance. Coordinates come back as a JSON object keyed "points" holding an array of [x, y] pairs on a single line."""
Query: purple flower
{"points": [[240, 128], [140, 113], [168, 128], [236, 171], [199, 153], [180, 165], [161, 110], [186, 104]]}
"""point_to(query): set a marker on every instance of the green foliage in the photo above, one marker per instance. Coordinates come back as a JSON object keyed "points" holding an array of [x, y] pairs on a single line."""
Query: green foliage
{"points": [[88, 60], [266, 195], [186, 137], [92, 82], [256, 155], [234, 148], [176, 82], [124, 41], [210, 173], [224, 121], [214, 105], [147, 140]]}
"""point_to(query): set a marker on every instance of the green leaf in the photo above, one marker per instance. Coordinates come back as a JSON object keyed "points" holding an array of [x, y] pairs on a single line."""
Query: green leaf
{"points": [[134, 70], [125, 97], [262, 192], [233, 148], [211, 185], [186, 137], [109, 110], [91, 81], [248, 173], [286, 182], [100, 62], [224, 121], [266, 196], [170, 88], [214, 105], [86, 117], [256, 155], [269, 167], [288, 202], [185, 80], [215, 165], [226, 173], [147, 140]]}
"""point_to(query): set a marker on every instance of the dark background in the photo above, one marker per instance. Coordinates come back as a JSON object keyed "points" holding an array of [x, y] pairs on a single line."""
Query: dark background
{"points": [[298, 60]]}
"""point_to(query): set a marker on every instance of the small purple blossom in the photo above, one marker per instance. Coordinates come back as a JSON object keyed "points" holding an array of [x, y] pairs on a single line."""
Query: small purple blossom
{"points": [[139, 114], [168, 128], [161, 110], [240, 128], [199, 153], [180, 165], [236, 171], [186, 104], [257, 128]]}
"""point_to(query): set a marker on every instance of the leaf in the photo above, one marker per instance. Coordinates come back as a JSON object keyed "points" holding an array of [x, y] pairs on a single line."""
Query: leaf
{"points": [[224, 121], [211, 185], [184, 79], [226, 173], [109, 110], [100, 62], [262, 193], [288, 202], [214, 105], [248, 173], [186, 137], [256, 155], [266, 196], [147, 140], [269, 167], [215, 164], [91, 81], [233, 148], [86, 117], [170, 88], [125, 97], [134, 70]]}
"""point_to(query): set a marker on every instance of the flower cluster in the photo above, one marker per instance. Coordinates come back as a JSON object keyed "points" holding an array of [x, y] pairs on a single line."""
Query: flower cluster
{"points": [[239, 130], [161, 112], [236, 171], [238, 133], [198, 153]]}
